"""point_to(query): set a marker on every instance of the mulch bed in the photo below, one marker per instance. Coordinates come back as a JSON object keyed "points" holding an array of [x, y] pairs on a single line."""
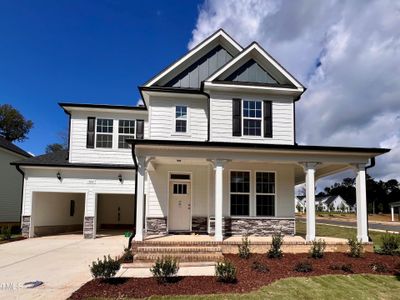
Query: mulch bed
{"points": [[247, 278], [12, 240]]}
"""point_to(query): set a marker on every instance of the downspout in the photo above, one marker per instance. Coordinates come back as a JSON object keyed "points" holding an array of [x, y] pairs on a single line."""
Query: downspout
{"points": [[371, 165], [22, 190], [135, 197], [208, 110]]}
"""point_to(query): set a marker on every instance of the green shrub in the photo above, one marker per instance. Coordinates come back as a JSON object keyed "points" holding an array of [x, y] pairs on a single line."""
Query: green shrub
{"points": [[244, 248], [356, 247], [105, 268], [275, 250], [165, 269], [127, 256], [348, 268], [317, 249], [378, 267], [6, 232], [225, 271], [259, 267], [303, 267], [390, 244]]}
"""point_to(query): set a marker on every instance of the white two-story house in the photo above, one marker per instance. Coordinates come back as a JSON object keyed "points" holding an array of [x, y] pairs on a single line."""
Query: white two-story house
{"points": [[212, 150]]}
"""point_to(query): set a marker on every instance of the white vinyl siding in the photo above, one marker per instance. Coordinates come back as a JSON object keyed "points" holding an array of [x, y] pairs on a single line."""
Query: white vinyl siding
{"points": [[162, 119], [221, 121]]}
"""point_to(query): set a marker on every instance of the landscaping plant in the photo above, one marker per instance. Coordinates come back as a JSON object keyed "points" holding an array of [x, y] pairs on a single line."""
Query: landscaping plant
{"points": [[275, 251], [303, 267], [105, 268], [225, 271], [348, 268], [317, 249], [165, 269], [259, 267], [390, 244], [244, 248], [356, 247], [6, 232], [127, 256], [378, 267]]}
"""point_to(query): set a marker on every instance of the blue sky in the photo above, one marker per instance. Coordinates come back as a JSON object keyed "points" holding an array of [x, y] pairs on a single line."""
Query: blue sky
{"points": [[84, 51]]}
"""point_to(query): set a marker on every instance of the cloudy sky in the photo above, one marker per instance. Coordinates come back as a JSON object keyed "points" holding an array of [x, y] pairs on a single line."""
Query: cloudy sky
{"points": [[347, 53]]}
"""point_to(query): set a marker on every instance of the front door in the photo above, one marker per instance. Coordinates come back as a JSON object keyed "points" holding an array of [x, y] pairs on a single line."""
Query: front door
{"points": [[179, 218]]}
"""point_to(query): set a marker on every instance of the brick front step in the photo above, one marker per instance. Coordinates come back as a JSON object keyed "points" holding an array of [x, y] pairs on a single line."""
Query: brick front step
{"points": [[187, 257], [177, 249]]}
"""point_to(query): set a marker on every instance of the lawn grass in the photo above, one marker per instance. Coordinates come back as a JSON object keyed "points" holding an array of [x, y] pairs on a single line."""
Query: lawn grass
{"points": [[336, 231], [329, 287]]}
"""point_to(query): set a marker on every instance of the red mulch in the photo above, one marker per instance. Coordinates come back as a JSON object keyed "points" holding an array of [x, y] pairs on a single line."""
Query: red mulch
{"points": [[247, 278]]}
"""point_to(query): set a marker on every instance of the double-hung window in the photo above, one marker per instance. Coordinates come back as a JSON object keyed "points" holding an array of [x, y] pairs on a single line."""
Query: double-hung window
{"points": [[265, 193], [126, 130], [252, 117], [181, 119], [104, 133], [240, 193]]}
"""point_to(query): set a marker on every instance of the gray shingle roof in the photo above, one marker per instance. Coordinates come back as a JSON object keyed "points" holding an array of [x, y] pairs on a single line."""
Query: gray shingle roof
{"points": [[13, 148], [60, 159]]}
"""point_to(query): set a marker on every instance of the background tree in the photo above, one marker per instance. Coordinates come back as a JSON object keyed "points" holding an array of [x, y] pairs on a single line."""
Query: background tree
{"points": [[51, 148], [13, 125]]}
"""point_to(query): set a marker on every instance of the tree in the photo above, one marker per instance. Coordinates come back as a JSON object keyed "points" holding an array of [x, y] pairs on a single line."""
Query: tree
{"points": [[51, 148], [13, 125], [331, 207]]}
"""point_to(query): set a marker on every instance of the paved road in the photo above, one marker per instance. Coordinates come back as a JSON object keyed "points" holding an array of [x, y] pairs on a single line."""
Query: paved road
{"points": [[61, 262], [372, 225]]}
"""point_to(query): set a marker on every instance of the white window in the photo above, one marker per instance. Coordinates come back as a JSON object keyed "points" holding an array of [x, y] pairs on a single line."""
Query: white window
{"points": [[265, 193], [252, 117], [181, 119], [104, 133], [126, 130], [240, 193]]}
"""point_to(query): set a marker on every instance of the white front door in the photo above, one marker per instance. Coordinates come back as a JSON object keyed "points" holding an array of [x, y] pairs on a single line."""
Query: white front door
{"points": [[179, 218]]}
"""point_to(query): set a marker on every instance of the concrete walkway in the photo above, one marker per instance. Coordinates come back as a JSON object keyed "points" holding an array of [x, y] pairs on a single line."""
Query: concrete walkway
{"points": [[61, 262]]}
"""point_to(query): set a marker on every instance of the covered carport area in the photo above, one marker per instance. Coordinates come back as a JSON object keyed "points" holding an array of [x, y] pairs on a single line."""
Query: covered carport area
{"points": [[55, 213]]}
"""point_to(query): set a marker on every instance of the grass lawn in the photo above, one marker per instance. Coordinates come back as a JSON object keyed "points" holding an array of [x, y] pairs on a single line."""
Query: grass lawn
{"points": [[336, 231], [319, 287]]}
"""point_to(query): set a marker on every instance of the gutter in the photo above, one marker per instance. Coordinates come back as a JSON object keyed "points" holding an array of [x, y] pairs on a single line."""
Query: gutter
{"points": [[22, 190], [135, 197], [371, 165]]}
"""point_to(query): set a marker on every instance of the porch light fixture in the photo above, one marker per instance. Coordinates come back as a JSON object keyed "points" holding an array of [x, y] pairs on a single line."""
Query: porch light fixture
{"points": [[178, 160], [120, 178], [59, 176]]}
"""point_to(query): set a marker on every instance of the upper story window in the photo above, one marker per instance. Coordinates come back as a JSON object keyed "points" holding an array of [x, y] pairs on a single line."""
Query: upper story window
{"points": [[252, 117], [104, 133], [126, 130], [181, 119]]}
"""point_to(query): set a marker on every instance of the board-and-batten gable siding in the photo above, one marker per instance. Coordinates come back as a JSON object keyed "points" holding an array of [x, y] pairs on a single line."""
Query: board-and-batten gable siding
{"points": [[89, 181], [162, 118], [221, 120], [79, 153], [201, 69], [251, 72], [10, 187], [157, 196]]}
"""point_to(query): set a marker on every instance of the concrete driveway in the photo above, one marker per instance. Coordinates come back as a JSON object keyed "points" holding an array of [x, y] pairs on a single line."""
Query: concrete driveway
{"points": [[61, 262]]}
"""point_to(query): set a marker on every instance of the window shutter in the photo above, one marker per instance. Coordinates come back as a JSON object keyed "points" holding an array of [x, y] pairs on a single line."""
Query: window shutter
{"points": [[139, 129], [268, 119], [236, 117], [91, 121]]}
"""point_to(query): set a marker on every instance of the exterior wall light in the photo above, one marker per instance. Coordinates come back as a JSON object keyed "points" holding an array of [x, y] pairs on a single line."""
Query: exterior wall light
{"points": [[59, 176], [120, 178]]}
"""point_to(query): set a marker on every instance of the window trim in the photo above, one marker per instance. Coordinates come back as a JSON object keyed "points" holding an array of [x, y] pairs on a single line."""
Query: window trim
{"points": [[125, 134], [255, 193], [253, 118], [187, 132], [237, 193], [104, 133]]}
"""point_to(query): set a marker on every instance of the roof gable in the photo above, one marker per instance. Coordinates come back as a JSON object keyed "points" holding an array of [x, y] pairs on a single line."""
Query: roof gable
{"points": [[13, 148], [251, 72], [215, 47]]}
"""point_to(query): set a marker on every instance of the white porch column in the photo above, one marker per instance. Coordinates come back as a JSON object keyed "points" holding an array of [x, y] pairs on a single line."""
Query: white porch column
{"points": [[392, 211], [90, 220], [309, 169], [361, 200], [141, 168]]}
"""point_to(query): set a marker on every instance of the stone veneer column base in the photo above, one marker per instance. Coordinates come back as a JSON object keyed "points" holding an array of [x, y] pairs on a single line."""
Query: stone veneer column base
{"points": [[88, 228], [25, 226], [199, 224], [156, 225]]}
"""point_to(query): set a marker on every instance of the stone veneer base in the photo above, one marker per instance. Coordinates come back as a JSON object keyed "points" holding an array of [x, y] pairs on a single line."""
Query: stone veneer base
{"points": [[88, 228], [156, 225], [25, 226]]}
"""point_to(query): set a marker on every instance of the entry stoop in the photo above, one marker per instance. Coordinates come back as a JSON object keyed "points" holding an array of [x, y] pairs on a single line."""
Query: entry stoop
{"points": [[149, 251]]}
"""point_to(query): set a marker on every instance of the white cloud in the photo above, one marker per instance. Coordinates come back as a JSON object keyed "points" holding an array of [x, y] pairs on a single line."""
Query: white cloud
{"points": [[346, 52]]}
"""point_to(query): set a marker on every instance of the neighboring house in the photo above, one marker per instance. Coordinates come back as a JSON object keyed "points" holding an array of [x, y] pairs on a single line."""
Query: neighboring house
{"points": [[10, 182], [323, 203], [213, 150]]}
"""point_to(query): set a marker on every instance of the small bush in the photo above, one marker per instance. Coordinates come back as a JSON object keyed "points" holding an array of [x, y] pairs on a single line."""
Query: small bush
{"points": [[275, 250], [348, 268], [225, 271], [259, 267], [378, 267], [165, 269], [303, 267], [105, 268], [390, 244], [244, 248], [6, 232], [127, 256], [317, 249], [356, 247]]}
